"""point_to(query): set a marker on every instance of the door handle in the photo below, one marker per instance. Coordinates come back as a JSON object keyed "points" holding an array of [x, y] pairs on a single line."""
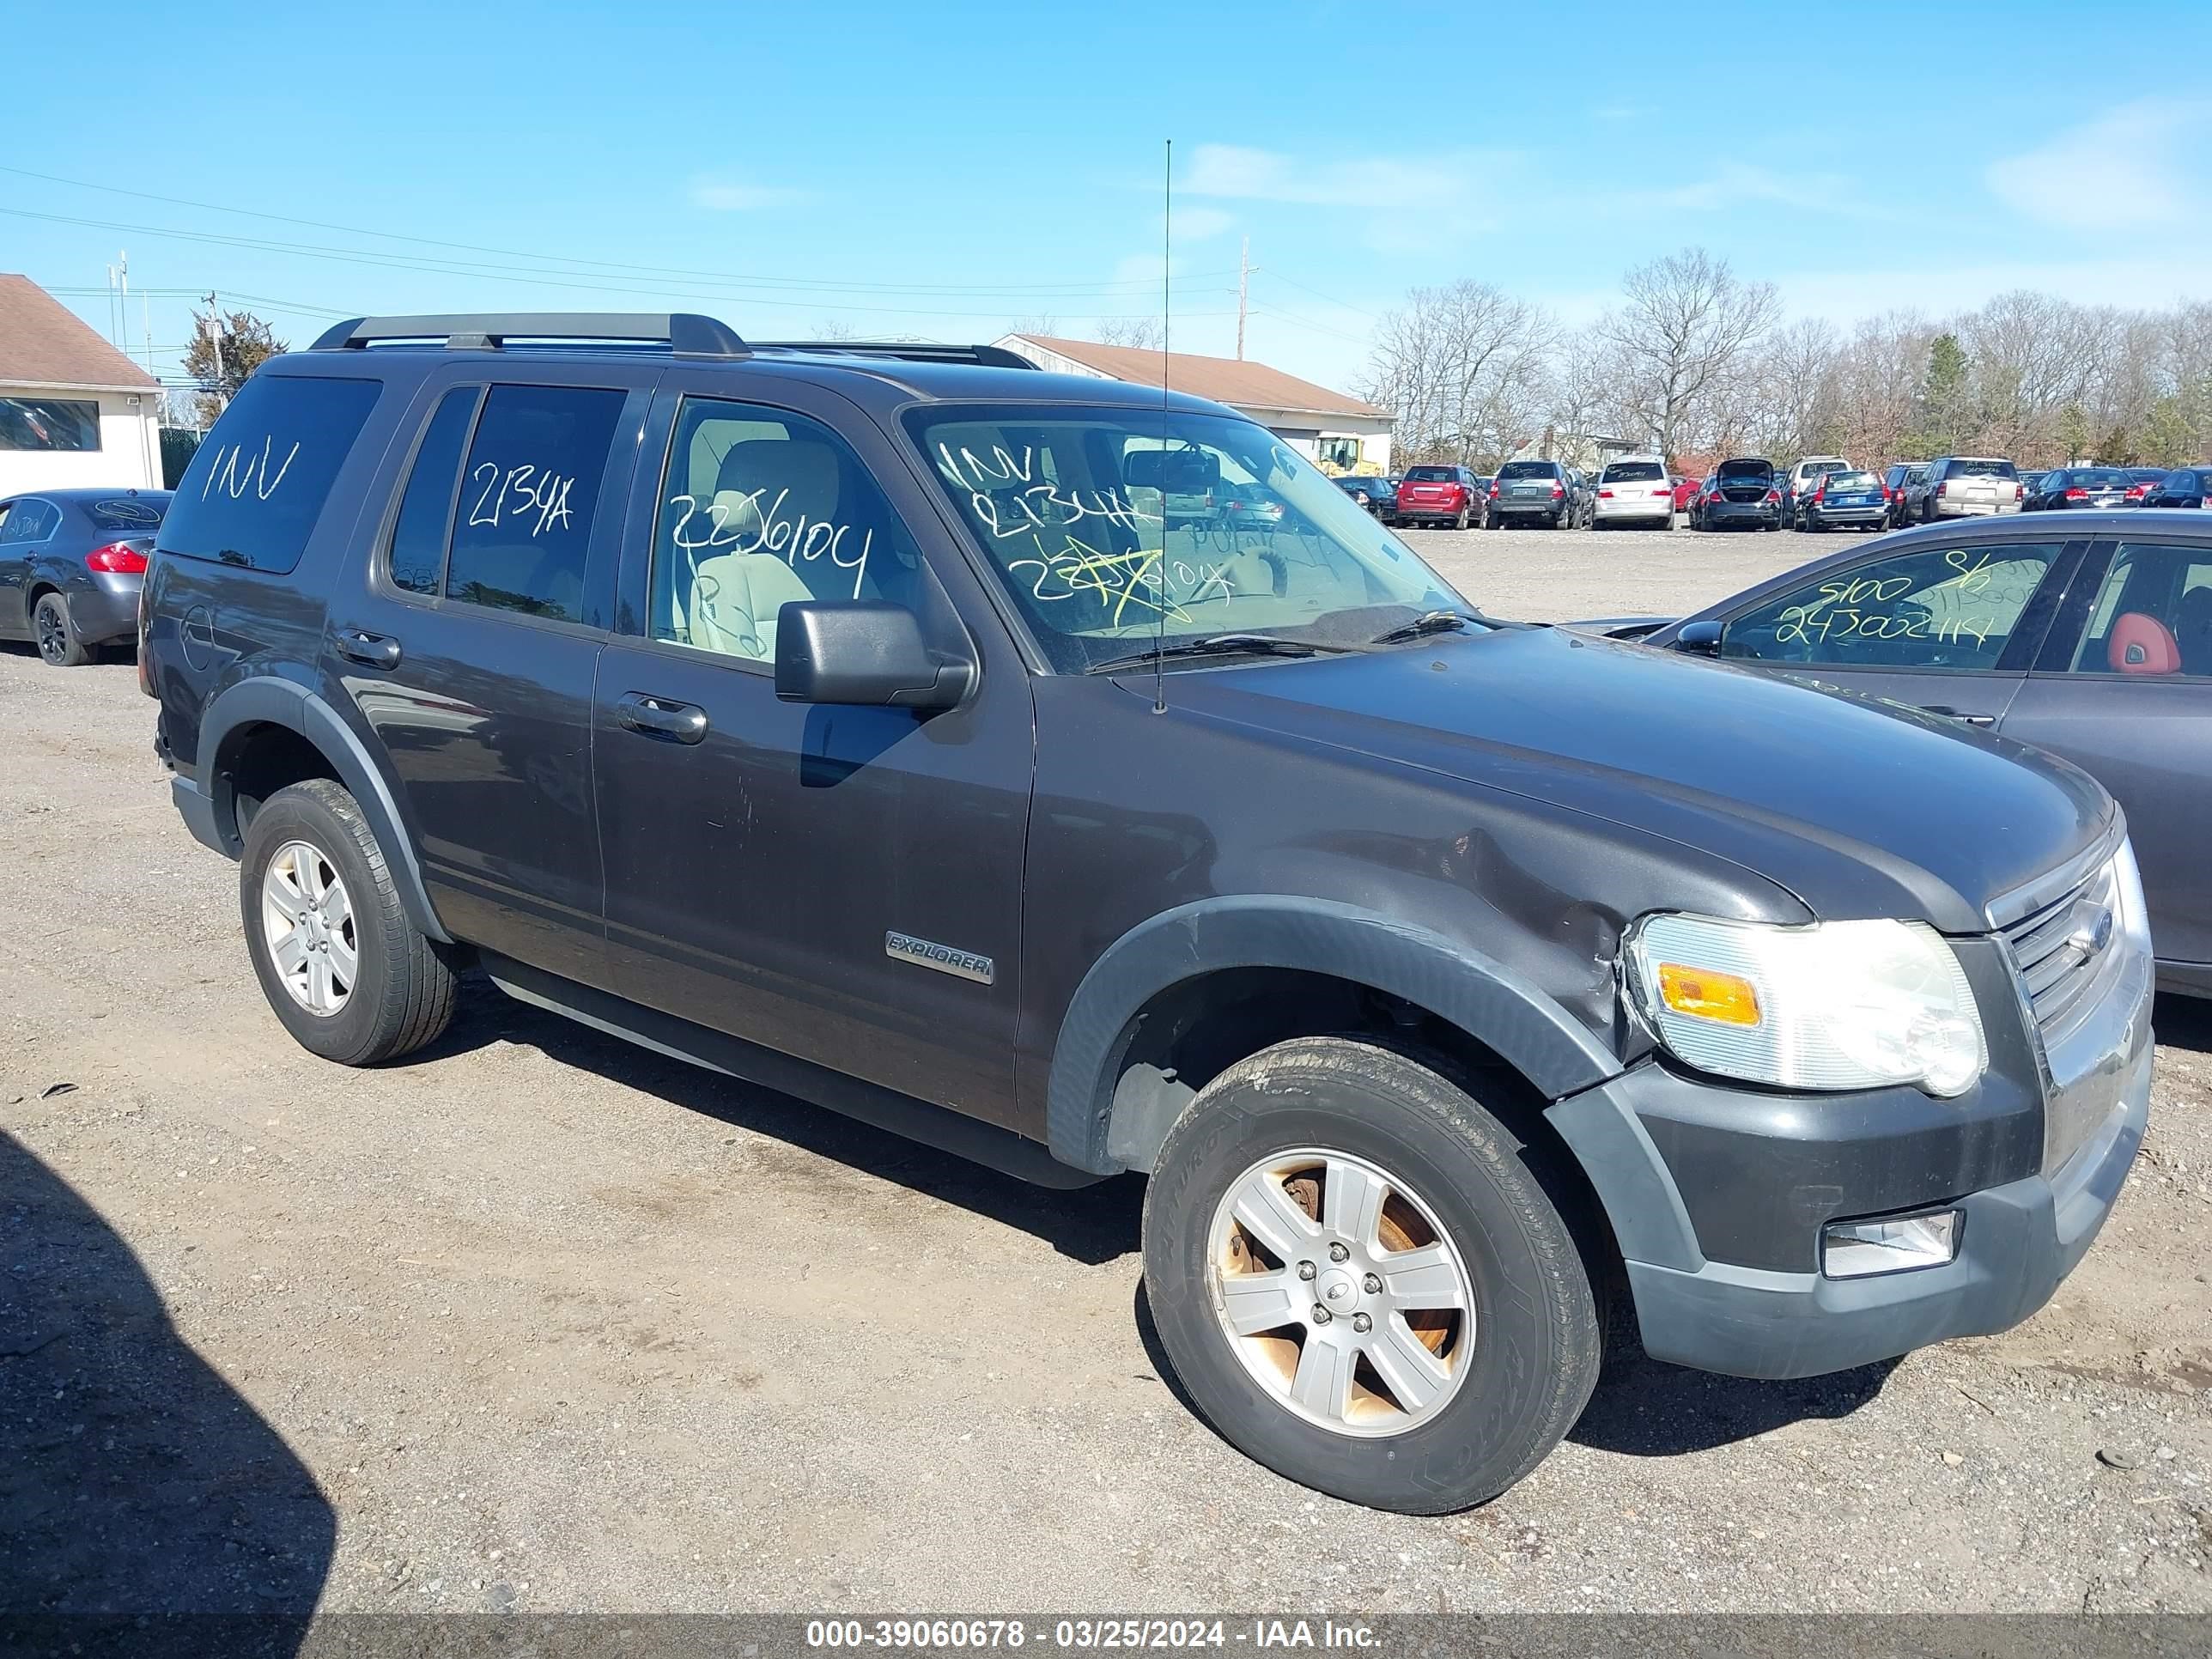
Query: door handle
{"points": [[1961, 715], [376, 650], [659, 717]]}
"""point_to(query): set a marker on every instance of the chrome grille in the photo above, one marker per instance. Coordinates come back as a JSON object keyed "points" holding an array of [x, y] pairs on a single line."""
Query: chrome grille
{"points": [[2063, 949]]}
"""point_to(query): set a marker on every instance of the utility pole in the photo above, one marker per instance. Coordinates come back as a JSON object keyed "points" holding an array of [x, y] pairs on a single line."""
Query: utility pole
{"points": [[1243, 274], [215, 338]]}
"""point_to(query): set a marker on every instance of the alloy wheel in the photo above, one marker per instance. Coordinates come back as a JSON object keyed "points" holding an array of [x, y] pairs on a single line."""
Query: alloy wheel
{"points": [[1340, 1293], [307, 924]]}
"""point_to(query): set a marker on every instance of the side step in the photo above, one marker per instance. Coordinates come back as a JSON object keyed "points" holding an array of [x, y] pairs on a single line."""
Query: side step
{"points": [[886, 1109]]}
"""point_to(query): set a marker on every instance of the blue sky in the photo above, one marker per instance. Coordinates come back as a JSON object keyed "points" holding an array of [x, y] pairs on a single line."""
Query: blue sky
{"points": [[951, 171]]}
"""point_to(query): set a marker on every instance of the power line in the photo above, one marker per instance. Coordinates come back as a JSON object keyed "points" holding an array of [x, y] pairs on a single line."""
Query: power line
{"points": [[1269, 270], [1112, 286]]}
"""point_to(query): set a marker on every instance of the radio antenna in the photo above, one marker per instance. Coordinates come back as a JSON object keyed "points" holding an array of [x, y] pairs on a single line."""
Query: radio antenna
{"points": [[1160, 591]]}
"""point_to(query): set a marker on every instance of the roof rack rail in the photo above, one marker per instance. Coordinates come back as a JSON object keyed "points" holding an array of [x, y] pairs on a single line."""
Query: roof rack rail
{"points": [[683, 333], [918, 351]]}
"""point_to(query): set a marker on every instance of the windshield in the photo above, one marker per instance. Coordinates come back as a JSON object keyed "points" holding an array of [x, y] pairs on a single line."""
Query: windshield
{"points": [[1430, 475], [1104, 533], [1634, 473], [1745, 470], [1529, 470]]}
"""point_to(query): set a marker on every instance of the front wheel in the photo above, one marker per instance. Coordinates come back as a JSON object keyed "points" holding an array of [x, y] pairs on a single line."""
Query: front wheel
{"points": [[343, 968], [1363, 1280]]}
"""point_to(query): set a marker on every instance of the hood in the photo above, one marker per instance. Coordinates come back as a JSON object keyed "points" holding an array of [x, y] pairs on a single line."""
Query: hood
{"points": [[1858, 808]]}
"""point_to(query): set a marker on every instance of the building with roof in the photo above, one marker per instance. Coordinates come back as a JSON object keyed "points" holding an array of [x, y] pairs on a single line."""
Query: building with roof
{"points": [[73, 409], [1340, 432]]}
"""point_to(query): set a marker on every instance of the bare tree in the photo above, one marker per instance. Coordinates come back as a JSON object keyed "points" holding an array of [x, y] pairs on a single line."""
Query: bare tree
{"points": [[1795, 406], [1463, 369], [1584, 383], [1685, 335], [1140, 333]]}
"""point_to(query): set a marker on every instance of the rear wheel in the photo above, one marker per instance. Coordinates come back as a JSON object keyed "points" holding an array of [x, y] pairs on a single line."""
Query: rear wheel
{"points": [[342, 967], [58, 644], [1362, 1280], [1459, 523]]}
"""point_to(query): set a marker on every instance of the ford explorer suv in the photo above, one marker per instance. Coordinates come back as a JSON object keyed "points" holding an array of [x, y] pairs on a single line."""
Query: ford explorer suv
{"points": [[851, 719]]}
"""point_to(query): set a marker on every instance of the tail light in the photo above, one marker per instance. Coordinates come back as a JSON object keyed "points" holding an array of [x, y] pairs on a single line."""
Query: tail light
{"points": [[1662, 490], [1943, 489], [1774, 496], [1558, 489], [1494, 492], [1605, 494], [118, 559], [1820, 490], [2077, 493], [2020, 492]]}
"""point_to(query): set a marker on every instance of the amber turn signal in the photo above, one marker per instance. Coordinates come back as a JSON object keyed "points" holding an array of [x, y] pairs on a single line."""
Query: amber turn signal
{"points": [[1729, 999]]}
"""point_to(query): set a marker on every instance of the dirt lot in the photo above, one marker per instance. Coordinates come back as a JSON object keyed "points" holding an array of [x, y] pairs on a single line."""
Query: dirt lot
{"points": [[539, 1321]]}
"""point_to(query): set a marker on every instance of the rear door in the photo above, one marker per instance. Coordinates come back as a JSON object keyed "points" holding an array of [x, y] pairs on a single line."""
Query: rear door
{"points": [[30, 524], [1951, 628], [469, 645], [764, 858], [2124, 689]]}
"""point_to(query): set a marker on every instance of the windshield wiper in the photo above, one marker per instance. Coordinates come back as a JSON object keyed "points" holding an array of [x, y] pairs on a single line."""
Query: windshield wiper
{"points": [[1217, 645], [1429, 621]]}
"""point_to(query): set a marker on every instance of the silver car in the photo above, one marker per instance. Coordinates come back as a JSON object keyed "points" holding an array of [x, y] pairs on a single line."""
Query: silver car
{"points": [[1969, 486]]}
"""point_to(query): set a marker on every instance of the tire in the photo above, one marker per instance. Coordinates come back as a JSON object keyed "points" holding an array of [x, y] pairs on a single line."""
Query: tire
{"points": [[56, 634], [402, 992], [1518, 1361], [1459, 523]]}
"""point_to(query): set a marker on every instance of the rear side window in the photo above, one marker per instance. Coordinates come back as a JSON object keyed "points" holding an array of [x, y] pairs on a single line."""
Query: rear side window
{"points": [[31, 521], [256, 487], [417, 557], [522, 525]]}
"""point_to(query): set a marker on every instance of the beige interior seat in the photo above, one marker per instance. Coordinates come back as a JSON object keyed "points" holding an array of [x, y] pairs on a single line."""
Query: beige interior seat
{"points": [[735, 599]]}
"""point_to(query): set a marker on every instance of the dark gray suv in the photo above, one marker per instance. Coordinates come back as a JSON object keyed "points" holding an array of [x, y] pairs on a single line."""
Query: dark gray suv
{"points": [[899, 727]]}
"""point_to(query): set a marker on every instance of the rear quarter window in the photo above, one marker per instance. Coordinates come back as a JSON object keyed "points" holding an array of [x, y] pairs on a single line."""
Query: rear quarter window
{"points": [[255, 488]]}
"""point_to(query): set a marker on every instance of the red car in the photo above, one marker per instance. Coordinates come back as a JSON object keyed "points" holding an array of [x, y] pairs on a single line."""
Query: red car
{"points": [[1439, 495], [1684, 489]]}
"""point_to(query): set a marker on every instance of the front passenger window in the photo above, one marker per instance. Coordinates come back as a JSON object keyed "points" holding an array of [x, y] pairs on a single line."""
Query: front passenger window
{"points": [[761, 508], [1942, 608]]}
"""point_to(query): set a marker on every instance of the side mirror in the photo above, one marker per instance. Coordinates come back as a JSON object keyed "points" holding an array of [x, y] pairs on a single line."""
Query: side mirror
{"points": [[865, 652], [1699, 638]]}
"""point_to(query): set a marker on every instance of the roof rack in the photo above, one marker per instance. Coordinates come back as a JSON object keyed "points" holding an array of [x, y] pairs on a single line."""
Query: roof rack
{"points": [[683, 333], [917, 351]]}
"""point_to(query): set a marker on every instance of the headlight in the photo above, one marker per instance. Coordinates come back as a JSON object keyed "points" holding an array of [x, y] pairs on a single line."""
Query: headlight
{"points": [[1840, 1004]]}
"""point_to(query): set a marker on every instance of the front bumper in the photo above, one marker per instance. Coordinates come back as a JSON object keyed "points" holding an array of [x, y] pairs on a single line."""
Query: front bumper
{"points": [[1717, 1193]]}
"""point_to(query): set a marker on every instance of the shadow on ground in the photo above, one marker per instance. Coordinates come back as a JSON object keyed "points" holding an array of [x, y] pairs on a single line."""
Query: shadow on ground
{"points": [[133, 1479], [1645, 1408], [1090, 1224], [2184, 1022]]}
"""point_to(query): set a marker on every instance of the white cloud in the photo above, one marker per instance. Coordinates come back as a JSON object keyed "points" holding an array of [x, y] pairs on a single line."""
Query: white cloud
{"points": [[1846, 296], [2145, 161], [1735, 184], [1200, 224], [722, 195], [1442, 183]]}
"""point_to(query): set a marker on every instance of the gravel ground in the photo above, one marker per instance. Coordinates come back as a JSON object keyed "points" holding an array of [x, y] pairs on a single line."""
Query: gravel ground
{"points": [[541, 1321]]}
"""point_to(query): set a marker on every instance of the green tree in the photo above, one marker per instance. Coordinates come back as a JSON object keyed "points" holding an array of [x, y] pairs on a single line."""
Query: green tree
{"points": [[227, 347], [1944, 392], [2073, 432]]}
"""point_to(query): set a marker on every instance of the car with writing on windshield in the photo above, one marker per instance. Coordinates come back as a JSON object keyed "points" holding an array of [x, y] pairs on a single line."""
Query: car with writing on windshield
{"points": [[1847, 499], [1532, 493], [1968, 486], [71, 562], [1435, 496], [2092, 640], [856, 719], [2076, 487], [1744, 493], [1635, 490]]}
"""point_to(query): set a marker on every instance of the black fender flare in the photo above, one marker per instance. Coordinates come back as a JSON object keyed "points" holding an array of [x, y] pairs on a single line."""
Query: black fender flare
{"points": [[1490, 1001], [269, 700]]}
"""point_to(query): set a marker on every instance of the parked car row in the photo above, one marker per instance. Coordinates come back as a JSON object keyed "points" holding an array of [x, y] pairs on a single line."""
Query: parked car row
{"points": [[71, 565]]}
